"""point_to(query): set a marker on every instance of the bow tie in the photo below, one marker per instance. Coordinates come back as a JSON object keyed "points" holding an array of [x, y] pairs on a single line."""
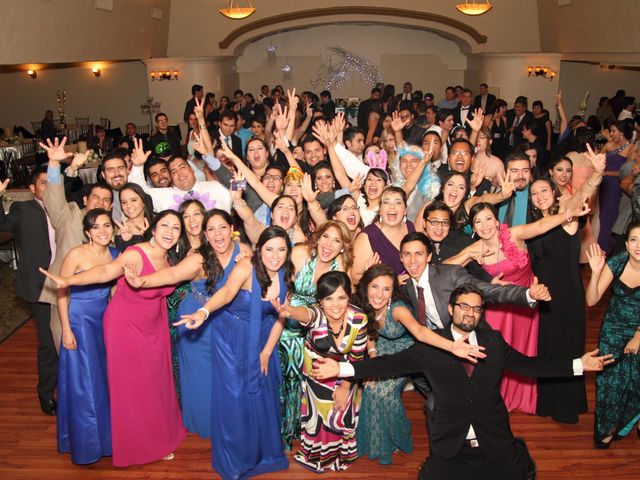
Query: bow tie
{"points": [[465, 108]]}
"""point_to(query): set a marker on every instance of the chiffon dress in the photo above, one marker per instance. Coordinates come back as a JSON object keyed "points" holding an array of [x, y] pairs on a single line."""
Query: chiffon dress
{"points": [[518, 325], [146, 423]]}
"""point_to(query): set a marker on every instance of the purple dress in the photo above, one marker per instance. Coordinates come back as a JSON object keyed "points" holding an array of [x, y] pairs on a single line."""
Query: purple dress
{"points": [[609, 198], [380, 244]]}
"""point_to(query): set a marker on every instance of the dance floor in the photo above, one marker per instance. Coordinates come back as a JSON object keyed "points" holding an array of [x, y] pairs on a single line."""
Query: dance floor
{"points": [[28, 438]]}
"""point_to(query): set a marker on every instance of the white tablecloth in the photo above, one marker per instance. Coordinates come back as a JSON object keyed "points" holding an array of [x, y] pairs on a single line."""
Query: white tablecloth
{"points": [[88, 175]]}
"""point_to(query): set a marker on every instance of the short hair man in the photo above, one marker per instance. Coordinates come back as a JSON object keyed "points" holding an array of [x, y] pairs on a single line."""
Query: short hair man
{"points": [[449, 101], [164, 133], [515, 210], [197, 91]]}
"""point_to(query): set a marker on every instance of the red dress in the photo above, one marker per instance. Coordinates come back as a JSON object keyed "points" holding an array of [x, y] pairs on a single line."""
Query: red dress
{"points": [[146, 423], [518, 325]]}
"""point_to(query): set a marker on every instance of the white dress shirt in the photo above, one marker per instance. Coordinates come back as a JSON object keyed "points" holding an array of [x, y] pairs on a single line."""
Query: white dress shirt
{"points": [[432, 312]]}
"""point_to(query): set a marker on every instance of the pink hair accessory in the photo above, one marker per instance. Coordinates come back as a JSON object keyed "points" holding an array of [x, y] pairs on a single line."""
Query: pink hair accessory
{"points": [[377, 160]]}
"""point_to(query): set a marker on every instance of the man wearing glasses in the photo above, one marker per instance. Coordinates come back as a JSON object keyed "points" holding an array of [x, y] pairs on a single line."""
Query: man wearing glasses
{"points": [[459, 161], [469, 430]]}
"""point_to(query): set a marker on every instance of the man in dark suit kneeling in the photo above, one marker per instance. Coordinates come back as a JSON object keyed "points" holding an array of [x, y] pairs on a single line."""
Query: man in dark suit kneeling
{"points": [[469, 427]]}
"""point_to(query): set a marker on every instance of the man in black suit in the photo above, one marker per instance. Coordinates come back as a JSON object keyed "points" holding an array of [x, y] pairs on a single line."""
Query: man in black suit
{"points": [[464, 110], [365, 107], [412, 133], [327, 105], [469, 427], [165, 135], [516, 117], [225, 133], [35, 240], [485, 99], [197, 91]]}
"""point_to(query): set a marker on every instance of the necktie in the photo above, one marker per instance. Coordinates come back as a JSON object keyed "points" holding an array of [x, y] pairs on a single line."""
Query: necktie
{"points": [[512, 137], [468, 367], [228, 140], [422, 306], [511, 207]]}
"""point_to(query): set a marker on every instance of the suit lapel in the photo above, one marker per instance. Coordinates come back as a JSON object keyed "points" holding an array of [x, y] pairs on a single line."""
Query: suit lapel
{"points": [[441, 304], [446, 332]]}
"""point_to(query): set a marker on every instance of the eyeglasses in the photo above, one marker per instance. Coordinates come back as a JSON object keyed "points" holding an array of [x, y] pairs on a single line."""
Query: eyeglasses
{"points": [[275, 178], [353, 208], [436, 223], [465, 307], [459, 153]]}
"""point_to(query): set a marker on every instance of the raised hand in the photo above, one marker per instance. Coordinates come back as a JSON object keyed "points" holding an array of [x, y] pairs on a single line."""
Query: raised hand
{"points": [[308, 193], [477, 121], [292, 99], [579, 211], [61, 282], [596, 258], [539, 291], [477, 176], [324, 368], [132, 277], [236, 195], [123, 229], [356, 184], [69, 340], [373, 260], [280, 143], [138, 155], [507, 187], [282, 119], [55, 151], [463, 349], [599, 160], [79, 159], [4, 185], [282, 308], [198, 109], [200, 145], [397, 123], [339, 123], [558, 97], [592, 363]]}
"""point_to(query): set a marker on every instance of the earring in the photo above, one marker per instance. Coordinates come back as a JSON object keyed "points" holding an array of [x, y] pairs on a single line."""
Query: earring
{"points": [[152, 242], [405, 219], [389, 304], [178, 247], [342, 251], [90, 241]]}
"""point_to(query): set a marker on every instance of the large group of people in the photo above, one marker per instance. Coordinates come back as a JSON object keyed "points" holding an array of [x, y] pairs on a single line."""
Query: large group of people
{"points": [[276, 281]]}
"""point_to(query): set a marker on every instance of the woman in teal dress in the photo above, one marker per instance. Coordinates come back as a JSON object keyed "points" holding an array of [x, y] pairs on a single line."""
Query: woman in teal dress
{"points": [[384, 427], [618, 386], [329, 250]]}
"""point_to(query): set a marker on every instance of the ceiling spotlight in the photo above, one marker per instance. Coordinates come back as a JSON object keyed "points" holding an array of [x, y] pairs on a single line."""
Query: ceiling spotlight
{"points": [[32, 73], [95, 71]]}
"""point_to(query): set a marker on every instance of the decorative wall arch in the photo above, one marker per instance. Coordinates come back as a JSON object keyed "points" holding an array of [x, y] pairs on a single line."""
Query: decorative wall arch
{"points": [[455, 30]]}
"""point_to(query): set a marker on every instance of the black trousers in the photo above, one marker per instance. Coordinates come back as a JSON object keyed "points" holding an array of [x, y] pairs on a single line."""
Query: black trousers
{"points": [[470, 464], [47, 355]]}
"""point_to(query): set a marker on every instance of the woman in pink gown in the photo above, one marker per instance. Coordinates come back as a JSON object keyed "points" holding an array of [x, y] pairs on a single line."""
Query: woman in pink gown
{"points": [[146, 424], [501, 251]]}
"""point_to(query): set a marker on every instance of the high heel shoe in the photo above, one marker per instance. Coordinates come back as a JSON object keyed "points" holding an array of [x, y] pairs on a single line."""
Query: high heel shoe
{"points": [[600, 445], [171, 456]]}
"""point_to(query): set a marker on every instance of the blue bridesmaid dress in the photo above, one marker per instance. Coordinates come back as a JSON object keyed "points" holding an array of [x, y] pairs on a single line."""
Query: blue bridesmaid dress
{"points": [[84, 417]]}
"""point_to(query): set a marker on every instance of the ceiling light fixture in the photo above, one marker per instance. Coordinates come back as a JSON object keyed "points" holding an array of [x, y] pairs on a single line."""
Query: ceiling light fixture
{"points": [[474, 8], [235, 12]]}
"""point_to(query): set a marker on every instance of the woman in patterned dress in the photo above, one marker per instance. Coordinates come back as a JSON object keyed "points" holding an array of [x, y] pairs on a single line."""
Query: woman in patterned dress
{"points": [[330, 250], [330, 407], [617, 399]]}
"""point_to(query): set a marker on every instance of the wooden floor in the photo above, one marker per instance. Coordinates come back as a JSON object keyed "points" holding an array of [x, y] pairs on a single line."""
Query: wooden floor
{"points": [[28, 438]]}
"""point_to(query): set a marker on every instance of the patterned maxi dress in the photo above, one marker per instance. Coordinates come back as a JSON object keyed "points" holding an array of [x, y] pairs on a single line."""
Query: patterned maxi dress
{"points": [[291, 351], [383, 426], [618, 386], [328, 436]]}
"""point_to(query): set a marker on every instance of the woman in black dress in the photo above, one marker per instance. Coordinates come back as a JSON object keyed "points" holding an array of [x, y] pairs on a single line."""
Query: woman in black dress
{"points": [[500, 145]]}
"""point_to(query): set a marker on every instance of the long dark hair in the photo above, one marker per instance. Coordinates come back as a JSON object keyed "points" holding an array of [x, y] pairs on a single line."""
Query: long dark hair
{"points": [[536, 213], [183, 244], [146, 202], [376, 172], [210, 261], [172, 255], [256, 260], [361, 299]]}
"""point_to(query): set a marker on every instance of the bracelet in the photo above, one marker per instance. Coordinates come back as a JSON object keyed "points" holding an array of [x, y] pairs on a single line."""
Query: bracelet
{"points": [[372, 349], [568, 217], [206, 312], [239, 205], [203, 126], [592, 185]]}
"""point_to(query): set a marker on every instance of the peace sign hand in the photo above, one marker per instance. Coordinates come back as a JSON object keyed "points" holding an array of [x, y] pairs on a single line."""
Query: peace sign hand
{"points": [[138, 155]]}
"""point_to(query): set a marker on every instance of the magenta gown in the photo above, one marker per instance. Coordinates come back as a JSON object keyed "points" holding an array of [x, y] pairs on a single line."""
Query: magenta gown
{"points": [[146, 424], [518, 325]]}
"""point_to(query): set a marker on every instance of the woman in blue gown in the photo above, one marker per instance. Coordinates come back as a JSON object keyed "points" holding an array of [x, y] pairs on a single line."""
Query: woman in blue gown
{"points": [[207, 270], [84, 420]]}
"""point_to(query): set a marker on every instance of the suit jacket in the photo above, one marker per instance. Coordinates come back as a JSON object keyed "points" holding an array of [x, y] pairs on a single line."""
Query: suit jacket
{"points": [[66, 219], [28, 222], [511, 116], [445, 278], [459, 400], [458, 119], [236, 143], [477, 101], [188, 109]]}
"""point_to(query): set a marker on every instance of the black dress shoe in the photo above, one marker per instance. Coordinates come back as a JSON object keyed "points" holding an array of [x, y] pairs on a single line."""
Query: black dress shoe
{"points": [[48, 407]]}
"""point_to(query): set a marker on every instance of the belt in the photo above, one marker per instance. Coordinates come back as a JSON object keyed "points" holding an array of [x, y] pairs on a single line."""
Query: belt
{"points": [[472, 443]]}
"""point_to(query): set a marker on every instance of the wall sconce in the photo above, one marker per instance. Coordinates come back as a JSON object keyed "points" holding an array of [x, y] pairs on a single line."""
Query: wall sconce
{"points": [[32, 73], [164, 75], [543, 72], [95, 71]]}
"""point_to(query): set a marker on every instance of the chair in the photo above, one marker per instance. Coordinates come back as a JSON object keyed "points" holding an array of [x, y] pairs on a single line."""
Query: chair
{"points": [[106, 123], [86, 131], [8, 238], [142, 129], [82, 120], [15, 172]]}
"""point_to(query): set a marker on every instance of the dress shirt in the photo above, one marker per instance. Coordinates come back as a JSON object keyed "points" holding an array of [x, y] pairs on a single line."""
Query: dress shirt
{"points": [[432, 312], [464, 113], [406, 96], [353, 165]]}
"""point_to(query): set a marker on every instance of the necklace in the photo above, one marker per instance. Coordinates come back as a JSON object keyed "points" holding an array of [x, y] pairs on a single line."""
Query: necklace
{"points": [[335, 334], [619, 149]]}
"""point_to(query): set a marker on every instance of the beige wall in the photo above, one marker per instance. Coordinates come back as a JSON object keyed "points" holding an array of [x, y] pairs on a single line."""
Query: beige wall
{"points": [[48, 31], [590, 26], [206, 26], [579, 78], [117, 94], [401, 54]]}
